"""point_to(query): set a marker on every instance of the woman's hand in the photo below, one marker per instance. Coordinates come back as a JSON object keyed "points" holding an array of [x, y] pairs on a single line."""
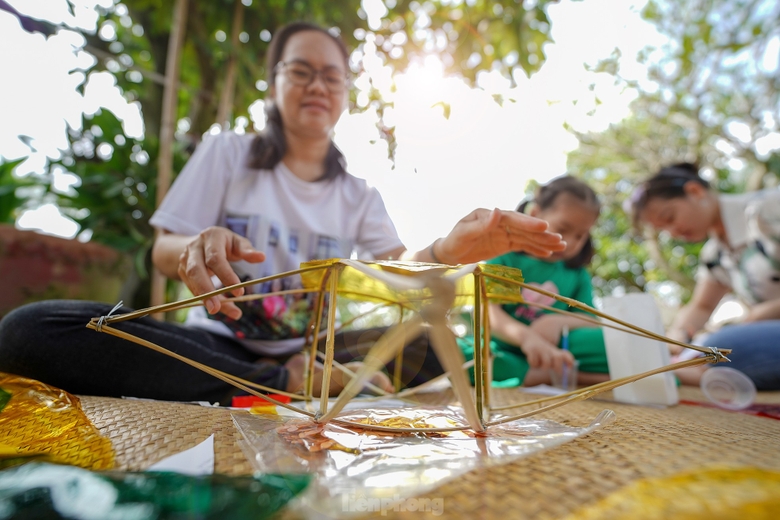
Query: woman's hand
{"points": [[541, 353], [210, 253], [484, 234]]}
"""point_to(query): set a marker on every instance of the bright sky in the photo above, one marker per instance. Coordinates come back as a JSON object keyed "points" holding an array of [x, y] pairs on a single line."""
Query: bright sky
{"points": [[482, 156]]}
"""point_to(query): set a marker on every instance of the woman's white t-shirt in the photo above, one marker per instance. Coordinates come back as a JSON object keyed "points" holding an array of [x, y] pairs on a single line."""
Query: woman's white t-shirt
{"points": [[749, 261], [290, 220]]}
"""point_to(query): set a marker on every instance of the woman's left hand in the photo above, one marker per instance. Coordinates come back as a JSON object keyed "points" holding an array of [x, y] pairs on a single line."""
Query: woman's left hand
{"points": [[484, 234]]}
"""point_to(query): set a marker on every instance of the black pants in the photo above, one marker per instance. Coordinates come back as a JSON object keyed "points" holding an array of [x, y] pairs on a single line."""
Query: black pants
{"points": [[49, 341]]}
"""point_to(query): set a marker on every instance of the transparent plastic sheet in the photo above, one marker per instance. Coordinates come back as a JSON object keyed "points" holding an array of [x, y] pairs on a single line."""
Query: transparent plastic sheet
{"points": [[367, 471], [40, 490], [41, 422]]}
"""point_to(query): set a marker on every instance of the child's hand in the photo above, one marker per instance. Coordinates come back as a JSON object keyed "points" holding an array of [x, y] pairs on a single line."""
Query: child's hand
{"points": [[548, 326], [338, 380], [541, 353]]}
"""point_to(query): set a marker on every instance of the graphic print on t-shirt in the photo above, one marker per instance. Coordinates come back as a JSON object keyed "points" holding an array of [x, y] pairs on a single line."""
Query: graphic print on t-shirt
{"points": [[281, 316], [528, 313]]}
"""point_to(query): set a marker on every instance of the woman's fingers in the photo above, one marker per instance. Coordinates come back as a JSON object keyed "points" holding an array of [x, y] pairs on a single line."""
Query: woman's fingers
{"points": [[530, 234], [195, 275], [241, 249], [210, 255], [486, 233]]}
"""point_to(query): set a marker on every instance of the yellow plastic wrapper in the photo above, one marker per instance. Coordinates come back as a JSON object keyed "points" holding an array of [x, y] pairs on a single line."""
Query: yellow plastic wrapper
{"points": [[364, 281], [44, 423], [715, 493]]}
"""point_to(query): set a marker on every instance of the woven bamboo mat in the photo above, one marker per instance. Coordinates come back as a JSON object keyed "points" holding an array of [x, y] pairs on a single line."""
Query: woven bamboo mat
{"points": [[144, 432], [642, 442]]}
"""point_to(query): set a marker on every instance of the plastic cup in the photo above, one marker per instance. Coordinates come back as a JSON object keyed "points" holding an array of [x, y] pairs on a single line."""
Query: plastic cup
{"points": [[565, 379], [728, 388]]}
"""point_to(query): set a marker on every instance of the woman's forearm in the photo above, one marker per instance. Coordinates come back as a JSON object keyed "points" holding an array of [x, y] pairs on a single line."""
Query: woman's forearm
{"points": [[768, 310], [690, 320], [692, 317]]}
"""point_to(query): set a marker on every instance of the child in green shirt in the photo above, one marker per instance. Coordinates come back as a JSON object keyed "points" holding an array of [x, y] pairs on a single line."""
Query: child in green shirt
{"points": [[525, 340]]}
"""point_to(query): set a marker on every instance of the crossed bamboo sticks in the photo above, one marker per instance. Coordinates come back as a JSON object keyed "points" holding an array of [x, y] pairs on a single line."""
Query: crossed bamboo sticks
{"points": [[430, 291]]}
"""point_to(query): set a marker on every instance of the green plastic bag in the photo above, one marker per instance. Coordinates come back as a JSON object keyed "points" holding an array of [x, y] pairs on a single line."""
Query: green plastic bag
{"points": [[42, 490]]}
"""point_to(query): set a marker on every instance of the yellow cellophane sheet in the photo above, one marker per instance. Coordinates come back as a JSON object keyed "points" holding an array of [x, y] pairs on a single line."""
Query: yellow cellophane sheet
{"points": [[714, 493], [358, 285], [43, 422]]}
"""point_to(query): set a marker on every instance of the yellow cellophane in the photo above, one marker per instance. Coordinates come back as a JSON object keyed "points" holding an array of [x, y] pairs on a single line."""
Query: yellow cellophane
{"points": [[43, 422], [714, 493], [361, 286]]}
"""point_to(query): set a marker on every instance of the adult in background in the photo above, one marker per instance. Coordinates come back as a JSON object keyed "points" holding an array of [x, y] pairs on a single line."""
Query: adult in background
{"points": [[741, 256]]}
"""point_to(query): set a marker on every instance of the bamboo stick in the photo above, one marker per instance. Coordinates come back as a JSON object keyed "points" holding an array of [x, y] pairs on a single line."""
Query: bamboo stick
{"points": [[228, 378], [577, 395], [382, 351], [442, 340], [167, 126], [583, 317], [346, 370], [574, 303], [447, 350], [588, 392], [486, 357], [479, 370], [172, 306], [309, 376], [327, 367], [225, 107], [399, 358]]}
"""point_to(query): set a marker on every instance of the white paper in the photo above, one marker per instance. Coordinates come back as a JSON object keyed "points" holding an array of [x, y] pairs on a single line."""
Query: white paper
{"points": [[542, 390], [194, 461], [628, 354]]}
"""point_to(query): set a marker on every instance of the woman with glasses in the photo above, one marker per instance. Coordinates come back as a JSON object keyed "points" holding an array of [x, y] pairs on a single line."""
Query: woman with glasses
{"points": [[741, 256], [246, 207]]}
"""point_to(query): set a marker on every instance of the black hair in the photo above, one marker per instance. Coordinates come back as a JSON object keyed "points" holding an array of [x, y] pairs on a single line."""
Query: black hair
{"points": [[545, 198], [668, 183], [269, 146]]}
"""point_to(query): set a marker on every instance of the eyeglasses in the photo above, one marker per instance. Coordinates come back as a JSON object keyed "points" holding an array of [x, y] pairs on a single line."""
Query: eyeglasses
{"points": [[303, 74]]}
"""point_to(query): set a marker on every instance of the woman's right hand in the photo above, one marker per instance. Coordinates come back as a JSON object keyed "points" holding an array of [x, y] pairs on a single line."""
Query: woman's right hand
{"points": [[210, 253], [543, 354], [484, 234]]}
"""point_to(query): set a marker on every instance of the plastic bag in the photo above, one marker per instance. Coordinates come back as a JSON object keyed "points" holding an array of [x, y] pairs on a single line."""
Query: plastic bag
{"points": [[38, 490], [364, 471], [712, 493], [44, 423]]}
